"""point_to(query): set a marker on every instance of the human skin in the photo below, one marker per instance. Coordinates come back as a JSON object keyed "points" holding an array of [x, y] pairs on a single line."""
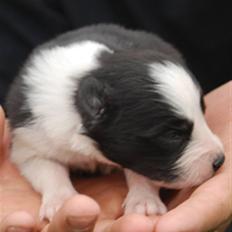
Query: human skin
{"points": [[200, 209]]}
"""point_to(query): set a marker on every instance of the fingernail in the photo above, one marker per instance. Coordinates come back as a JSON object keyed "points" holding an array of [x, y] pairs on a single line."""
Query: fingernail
{"points": [[82, 223], [18, 229]]}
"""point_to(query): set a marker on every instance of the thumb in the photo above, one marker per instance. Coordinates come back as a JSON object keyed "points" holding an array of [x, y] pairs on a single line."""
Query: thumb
{"points": [[2, 128], [208, 207], [4, 135], [2, 123], [79, 213]]}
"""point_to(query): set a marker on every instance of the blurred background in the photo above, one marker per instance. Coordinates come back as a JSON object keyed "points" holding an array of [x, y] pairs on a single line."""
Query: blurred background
{"points": [[200, 29]]}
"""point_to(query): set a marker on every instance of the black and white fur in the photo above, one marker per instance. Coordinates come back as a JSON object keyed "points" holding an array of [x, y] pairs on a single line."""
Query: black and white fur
{"points": [[105, 94]]}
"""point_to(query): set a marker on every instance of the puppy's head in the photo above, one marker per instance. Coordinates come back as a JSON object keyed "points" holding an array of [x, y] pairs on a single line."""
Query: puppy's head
{"points": [[147, 114]]}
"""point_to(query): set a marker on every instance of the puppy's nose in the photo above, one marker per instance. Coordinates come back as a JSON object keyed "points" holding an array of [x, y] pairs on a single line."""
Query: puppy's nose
{"points": [[218, 162]]}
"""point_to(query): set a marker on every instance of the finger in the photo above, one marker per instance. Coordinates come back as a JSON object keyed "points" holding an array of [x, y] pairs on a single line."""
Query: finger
{"points": [[4, 133], [2, 118], [78, 214], [2, 130], [6, 137], [18, 222], [2, 122], [208, 207], [127, 223]]}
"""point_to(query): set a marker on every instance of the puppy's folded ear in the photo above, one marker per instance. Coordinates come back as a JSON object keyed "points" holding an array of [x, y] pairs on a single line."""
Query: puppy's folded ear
{"points": [[92, 100]]}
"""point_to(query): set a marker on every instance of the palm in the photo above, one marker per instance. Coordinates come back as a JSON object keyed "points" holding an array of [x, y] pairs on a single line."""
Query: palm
{"points": [[108, 191], [16, 193]]}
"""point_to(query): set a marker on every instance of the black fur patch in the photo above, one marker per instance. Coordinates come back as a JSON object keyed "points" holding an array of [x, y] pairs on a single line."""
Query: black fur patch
{"points": [[131, 121]]}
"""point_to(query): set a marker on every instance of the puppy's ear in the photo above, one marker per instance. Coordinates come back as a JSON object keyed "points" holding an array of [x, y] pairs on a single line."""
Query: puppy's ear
{"points": [[92, 101]]}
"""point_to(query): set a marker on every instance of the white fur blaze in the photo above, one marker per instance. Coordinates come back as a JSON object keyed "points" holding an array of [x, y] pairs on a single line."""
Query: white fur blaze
{"points": [[51, 81], [183, 94]]}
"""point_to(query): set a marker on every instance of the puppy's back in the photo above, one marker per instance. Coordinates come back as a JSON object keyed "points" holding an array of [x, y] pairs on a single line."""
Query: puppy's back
{"points": [[114, 37]]}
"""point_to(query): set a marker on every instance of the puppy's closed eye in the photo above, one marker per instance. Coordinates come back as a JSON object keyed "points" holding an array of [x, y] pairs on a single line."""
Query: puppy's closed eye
{"points": [[174, 134]]}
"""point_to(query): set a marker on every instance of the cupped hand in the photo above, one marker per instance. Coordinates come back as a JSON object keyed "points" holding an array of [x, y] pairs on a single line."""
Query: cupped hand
{"points": [[191, 210]]}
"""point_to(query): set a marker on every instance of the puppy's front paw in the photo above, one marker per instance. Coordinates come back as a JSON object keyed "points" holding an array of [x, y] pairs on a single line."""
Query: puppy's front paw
{"points": [[53, 202], [147, 203]]}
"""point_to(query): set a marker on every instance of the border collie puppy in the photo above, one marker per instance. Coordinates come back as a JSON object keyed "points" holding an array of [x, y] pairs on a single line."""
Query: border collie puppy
{"points": [[107, 95]]}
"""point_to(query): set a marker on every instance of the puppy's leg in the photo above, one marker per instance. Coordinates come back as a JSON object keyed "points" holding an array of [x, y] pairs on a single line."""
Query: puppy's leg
{"points": [[143, 196], [52, 180], [48, 177]]}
